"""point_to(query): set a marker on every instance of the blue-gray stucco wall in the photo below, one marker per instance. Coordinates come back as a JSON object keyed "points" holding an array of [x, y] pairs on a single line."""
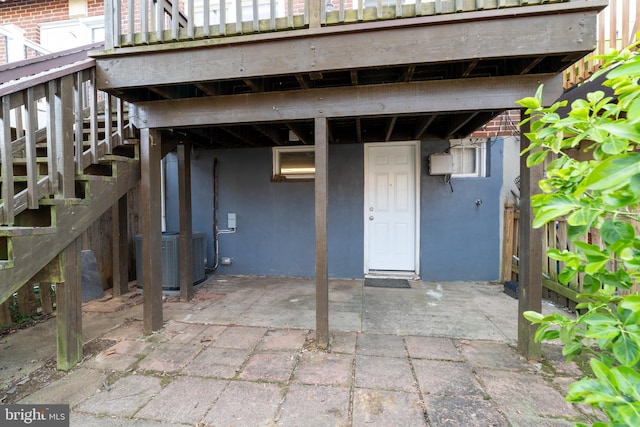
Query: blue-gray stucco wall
{"points": [[275, 221], [459, 239]]}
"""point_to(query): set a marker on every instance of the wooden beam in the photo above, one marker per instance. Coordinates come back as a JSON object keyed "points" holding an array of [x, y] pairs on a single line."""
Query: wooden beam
{"points": [[408, 74], [150, 194], [272, 134], [456, 38], [455, 124], [423, 124], [168, 92], [390, 125], [211, 89], [186, 233], [486, 93], [243, 137], [354, 77], [321, 193], [69, 309], [302, 81], [299, 131], [255, 85], [530, 276], [469, 69], [120, 226]]}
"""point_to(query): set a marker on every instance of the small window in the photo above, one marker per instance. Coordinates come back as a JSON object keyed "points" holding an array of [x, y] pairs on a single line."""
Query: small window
{"points": [[469, 157], [293, 163]]}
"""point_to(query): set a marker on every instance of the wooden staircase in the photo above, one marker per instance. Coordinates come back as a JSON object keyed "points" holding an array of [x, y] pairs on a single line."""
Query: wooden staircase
{"points": [[68, 155]]}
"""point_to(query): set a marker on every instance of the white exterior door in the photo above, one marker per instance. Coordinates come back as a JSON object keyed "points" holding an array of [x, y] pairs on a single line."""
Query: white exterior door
{"points": [[391, 210]]}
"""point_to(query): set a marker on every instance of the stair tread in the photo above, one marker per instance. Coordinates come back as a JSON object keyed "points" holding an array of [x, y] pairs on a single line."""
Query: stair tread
{"points": [[26, 231]]}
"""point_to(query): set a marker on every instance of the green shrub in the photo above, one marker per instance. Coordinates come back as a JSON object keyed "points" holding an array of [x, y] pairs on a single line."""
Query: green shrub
{"points": [[602, 192]]}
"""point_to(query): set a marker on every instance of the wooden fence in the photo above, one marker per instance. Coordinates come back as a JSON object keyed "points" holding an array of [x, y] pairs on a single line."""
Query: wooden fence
{"points": [[554, 237], [618, 24]]}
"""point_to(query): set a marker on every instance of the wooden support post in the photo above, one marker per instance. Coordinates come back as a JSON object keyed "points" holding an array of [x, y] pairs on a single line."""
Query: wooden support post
{"points": [[322, 277], [46, 298], [150, 207], [186, 233], [69, 308], [5, 313], [530, 267], [25, 296], [120, 247], [507, 241]]}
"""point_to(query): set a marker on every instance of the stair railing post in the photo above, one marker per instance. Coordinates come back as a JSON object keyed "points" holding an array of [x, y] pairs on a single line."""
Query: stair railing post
{"points": [[93, 115], [78, 119], [64, 136], [6, 156], [30, 145], [108, 128], [52, 156]]}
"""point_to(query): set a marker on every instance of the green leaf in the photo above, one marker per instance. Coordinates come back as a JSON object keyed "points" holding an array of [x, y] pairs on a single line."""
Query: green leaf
{"points": [[626, 350], [567, 275], [584, 216], [589, 249], [551, 207], [633, 114], [626, 414], [536, 157], [631, 302], [591, 284], [533, 316], [603, 374], [628, 380], [529, 102], [594, 267], [611, 173], [624, 70], [621, 129], [615, 145], [572, 349], [613, 230]]}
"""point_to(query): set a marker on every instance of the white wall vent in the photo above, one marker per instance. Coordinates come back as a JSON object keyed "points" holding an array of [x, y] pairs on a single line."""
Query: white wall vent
{"points": [[171, 259]]}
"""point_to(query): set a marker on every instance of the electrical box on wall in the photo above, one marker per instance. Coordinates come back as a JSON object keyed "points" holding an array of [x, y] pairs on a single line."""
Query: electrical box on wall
{"points": [[440, 164], [231, 221]]}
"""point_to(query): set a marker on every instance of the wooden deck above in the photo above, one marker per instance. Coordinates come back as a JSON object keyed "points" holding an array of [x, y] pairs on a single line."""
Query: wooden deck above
{"points": [[389, 73]]}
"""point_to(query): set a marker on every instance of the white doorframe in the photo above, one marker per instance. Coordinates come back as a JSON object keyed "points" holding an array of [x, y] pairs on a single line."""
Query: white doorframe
{"points": [[417, 158]]}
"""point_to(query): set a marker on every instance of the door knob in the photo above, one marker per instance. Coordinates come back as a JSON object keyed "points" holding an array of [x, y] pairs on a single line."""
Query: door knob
{"points": [[371, 218]]}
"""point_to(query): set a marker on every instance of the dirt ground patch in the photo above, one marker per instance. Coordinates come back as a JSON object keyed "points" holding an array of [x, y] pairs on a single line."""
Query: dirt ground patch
{"points": [[48, 373]]}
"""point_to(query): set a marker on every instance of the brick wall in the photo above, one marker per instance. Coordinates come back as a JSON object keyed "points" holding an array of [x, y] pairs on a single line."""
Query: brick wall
{"points": [[505, 124], [27, 14], [95, 8]]}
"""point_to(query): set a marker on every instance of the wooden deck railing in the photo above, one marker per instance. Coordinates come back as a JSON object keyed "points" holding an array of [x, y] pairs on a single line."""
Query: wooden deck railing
{"points": [[44, 121], [554, 237], [54, 127], [140, 22], [618, 25]]}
